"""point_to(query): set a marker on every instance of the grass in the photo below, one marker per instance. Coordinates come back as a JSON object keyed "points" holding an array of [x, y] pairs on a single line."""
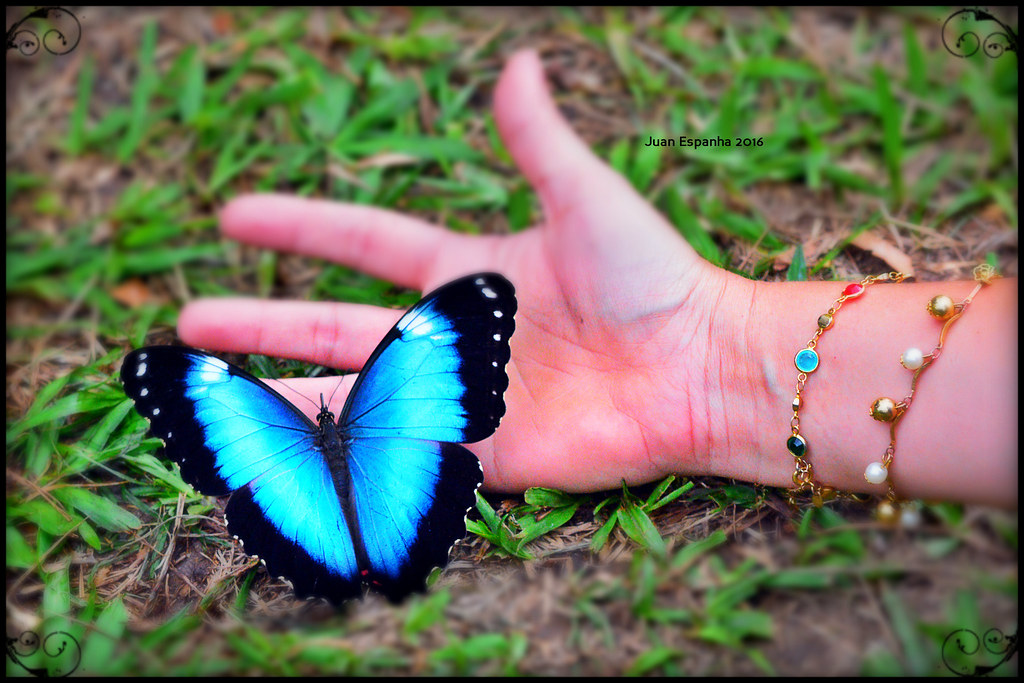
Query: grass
{"points": [[391, 109]]}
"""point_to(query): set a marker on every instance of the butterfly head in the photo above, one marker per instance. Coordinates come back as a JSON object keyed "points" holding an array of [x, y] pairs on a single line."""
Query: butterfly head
{"points": [[325, 413]]}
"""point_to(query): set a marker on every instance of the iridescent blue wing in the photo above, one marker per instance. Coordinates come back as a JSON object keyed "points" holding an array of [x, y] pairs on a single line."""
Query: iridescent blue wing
{"points": [[439, 374], [410, 499], [230, 432], [437, 379]]}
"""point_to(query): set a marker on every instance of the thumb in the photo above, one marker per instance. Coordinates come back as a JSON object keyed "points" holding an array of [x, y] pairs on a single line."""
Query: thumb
{"points": [[591, 211], [541, 142]]}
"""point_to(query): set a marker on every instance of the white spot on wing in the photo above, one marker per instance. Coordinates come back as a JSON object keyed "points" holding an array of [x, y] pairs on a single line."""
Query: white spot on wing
{"points": [[498, 314], [211, 376], [156, 411], [141, 371], [497, 336], [422, 328], [144, 392], [212, 370], [489, 293]]}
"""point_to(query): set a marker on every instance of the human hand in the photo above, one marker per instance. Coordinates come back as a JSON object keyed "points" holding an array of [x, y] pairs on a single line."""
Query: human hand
{"points": [[609, 372]]}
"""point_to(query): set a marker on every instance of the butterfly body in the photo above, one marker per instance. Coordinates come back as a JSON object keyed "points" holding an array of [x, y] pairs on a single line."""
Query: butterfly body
{"points": [[377, 497]]}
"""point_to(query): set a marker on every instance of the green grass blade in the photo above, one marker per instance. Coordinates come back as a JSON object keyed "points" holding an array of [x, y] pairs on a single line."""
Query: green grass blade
{"points": [[639, 527], [103, 512], [797, 271], [190, 97], [103, 638], [686, 221], [145, 86], [892, 138], [75, 142]]}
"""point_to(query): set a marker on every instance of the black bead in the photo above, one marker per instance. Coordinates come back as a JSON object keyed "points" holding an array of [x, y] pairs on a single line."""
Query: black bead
{"points": [[797, 445]]}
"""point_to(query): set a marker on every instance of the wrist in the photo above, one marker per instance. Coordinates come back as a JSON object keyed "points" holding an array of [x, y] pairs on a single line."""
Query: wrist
{"points": [[955, 442], [728, 401], [749, 384], [744, 411], [715, 395], [758, 388]]}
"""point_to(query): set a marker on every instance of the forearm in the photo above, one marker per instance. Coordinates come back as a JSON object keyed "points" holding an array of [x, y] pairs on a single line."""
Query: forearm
{"points": [[958, 440]]}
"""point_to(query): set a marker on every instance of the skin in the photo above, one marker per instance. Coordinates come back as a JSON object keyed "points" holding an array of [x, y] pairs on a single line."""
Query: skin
{"points": [[632, 356]]}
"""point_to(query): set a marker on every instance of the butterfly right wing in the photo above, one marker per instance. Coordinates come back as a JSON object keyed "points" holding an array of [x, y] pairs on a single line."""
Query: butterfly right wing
{"points": [[411, 504], [230, 432], [436, 380]]}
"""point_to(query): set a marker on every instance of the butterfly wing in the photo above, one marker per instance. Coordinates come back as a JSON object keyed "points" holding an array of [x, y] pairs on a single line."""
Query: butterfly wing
{"points": [[230, 432], [439, 374], [411, 498], [434, 381]]}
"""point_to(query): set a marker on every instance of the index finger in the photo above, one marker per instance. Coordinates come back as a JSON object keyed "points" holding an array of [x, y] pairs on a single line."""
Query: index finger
{"points": [[383, 243]]}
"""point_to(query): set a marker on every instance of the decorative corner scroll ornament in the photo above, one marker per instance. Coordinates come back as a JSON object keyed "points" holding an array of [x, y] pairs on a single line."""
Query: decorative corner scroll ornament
{"points": [[56, 41], [967, 43], [54, 655]]}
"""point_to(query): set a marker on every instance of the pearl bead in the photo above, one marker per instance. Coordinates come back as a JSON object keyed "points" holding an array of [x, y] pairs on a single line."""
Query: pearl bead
{"points": [[910, 517], [876, 473], [912, 358]]}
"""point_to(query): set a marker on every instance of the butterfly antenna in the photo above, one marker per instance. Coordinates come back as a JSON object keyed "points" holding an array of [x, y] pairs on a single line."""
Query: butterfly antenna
{"points": [[298, 393], [336, 387]]}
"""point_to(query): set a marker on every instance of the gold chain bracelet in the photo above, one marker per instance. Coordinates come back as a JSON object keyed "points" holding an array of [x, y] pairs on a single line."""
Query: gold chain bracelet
{"points": [[886, 410], [806, 361]]}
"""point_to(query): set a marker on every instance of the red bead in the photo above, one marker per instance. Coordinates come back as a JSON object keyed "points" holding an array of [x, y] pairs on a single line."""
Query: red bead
{"points": [[854, 290]]}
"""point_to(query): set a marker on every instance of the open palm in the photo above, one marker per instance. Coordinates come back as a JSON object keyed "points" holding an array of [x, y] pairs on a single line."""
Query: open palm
{"points": [[614, 312]]}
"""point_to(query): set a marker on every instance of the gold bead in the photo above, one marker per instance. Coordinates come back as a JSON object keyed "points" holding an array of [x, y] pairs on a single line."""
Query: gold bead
{"points": [[883, 410], [942, 307], [887, 512], [823, 495]]}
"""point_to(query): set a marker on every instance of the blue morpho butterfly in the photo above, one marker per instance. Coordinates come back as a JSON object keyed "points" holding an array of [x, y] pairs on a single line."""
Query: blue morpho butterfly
{"points": [[378, 497]]}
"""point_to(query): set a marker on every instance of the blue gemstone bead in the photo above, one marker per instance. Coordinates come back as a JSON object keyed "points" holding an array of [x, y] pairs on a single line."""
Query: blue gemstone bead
{"points": [[806, 360]]}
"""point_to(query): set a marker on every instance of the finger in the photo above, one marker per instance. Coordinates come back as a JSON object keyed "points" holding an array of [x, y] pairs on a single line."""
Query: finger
{"points": [[558, 164], [592, 213], [337, 335], [398, 248]]}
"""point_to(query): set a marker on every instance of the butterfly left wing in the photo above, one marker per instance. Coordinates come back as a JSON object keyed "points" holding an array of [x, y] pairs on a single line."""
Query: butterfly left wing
{"points": [[436, 380], [230, 432]]}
